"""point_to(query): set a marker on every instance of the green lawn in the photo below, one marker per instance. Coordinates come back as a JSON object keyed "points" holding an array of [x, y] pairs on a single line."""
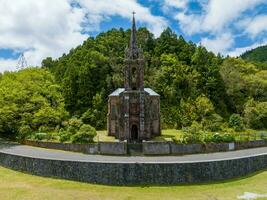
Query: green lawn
{"points": [[19, 186], [166, 135], [102, 136]]}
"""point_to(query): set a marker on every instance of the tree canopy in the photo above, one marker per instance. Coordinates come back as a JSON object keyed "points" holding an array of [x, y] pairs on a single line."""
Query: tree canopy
{"points": [[190, 79], [30, 100], [258, 54]]}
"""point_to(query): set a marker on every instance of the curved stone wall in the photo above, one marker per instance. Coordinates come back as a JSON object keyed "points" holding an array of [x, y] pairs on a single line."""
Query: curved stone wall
{"points": [[147, 147], [131, 173]]}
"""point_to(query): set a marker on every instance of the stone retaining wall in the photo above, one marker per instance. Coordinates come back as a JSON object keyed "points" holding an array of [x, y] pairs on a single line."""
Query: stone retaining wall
{"points": [[149, 147], [83, 148], [156, 148], [136, 173], [113, 148], [178, 149], [250, 144]]}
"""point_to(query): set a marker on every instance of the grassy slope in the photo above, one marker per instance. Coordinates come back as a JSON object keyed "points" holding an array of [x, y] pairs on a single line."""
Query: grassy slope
{"points": [[15, 185]]}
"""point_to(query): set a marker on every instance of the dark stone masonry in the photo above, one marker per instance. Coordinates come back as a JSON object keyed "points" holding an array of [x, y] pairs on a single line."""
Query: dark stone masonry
{"points": [[134, 111], [133, 173]]}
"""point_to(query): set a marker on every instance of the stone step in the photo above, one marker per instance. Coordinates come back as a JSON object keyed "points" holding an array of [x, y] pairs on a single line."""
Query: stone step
{"points": [[135, 149]]}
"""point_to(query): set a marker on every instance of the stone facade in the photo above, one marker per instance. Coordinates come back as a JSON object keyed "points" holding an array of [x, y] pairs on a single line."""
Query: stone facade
{"points": [[134, 111]]}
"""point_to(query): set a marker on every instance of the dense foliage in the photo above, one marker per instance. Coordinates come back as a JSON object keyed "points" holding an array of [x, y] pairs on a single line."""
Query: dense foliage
{"points": [[194, 84], [201, 92], [30, 101]]}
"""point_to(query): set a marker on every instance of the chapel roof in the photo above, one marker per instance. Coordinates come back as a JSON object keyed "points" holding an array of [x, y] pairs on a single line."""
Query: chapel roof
{"points": [[118, 91]]}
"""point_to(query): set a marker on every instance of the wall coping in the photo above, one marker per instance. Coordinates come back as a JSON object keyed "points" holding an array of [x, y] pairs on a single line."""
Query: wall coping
{"points": [[152, 148]]}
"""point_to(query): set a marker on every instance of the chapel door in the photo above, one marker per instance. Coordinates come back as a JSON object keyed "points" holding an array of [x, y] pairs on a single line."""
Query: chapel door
{"points": [[134, 133]]}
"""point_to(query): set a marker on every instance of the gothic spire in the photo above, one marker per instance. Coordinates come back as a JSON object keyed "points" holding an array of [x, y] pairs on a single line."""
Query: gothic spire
{"points": [[133, 42], [133, 51]]}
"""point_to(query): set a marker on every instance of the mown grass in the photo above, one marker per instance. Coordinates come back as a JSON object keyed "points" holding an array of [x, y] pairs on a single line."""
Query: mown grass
{"points": [[102, 136], [19, 186], [166, 135]]}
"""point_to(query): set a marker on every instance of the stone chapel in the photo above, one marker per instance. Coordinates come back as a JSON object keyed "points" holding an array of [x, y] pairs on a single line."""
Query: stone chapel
{"points": [[134, 111]]}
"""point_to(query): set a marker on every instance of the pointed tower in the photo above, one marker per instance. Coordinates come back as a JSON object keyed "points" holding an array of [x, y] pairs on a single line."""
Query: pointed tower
{"points": [[134, 111], [134, 63]]}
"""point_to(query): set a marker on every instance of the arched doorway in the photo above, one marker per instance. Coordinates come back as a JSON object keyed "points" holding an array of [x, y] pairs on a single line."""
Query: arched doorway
{"points": [[134, 133]]}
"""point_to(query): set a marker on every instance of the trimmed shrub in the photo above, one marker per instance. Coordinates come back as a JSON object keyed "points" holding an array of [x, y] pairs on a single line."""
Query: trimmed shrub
{"points": [[73, 125], [86, 134]]}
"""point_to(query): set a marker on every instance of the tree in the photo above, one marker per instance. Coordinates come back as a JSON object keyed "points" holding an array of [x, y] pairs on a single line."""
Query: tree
{"points": [[97, 114], [243, 81], [180, 71], [255, 114], [30, 99]]}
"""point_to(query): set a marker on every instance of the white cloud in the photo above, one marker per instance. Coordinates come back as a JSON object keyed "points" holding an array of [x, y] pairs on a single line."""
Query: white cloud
{"points": [[223, 21], [176, 3], [219, 44], [104, 9], [238, 51], [7, 64], [219, 14], [216, 15], [42, 28], [254, 26], [189, 23]]}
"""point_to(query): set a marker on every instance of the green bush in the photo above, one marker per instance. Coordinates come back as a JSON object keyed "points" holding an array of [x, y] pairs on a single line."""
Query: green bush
{"points": [[64, 136], [73, 125], [196, 135], [24, 132], [39, 136], [86, 134], [218, 138], [192, 134], [43, 129], [236, 122], [213, 123]]}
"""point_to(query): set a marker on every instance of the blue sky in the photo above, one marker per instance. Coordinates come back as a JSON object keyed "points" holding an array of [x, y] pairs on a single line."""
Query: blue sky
{"points": [[52, 27]]}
